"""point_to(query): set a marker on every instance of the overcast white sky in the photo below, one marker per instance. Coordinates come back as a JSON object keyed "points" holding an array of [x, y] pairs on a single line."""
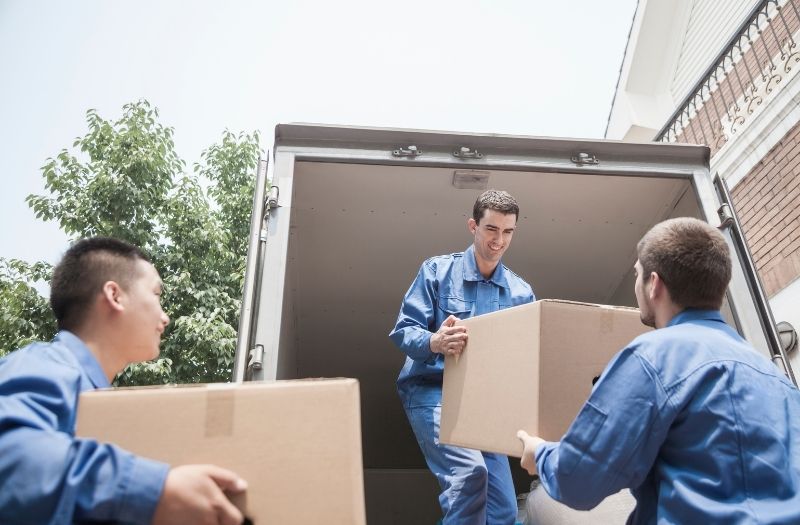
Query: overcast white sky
{"points": [[522, 67]]}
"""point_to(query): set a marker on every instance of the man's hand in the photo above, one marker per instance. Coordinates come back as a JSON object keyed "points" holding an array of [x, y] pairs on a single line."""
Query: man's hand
{"points": [[529, 444], [196, 494], [450, 339]]}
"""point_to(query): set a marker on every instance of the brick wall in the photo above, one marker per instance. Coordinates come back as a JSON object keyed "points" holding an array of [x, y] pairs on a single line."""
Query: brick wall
{"points": [[757, 68], [768, 203], [768, 198]]}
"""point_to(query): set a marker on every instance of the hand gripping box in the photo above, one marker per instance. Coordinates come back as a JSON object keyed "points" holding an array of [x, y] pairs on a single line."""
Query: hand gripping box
{"points": [[297, 443], [529, 367]]}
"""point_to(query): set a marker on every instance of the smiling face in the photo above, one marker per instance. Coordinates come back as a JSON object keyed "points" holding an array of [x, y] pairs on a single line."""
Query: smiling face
{"points": [[492, 236], [143, 320]]}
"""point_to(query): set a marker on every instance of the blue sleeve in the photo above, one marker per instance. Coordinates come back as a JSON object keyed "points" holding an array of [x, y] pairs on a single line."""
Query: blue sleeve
{"points": [[417, 318], [613, 442], [51, 477]]}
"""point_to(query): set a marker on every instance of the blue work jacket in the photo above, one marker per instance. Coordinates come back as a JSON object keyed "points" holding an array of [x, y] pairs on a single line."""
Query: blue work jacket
{"points": [[700, 427], [446, 285], [47, 475]]}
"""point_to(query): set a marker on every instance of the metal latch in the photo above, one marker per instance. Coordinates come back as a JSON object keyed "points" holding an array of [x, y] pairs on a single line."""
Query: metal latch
{"points": [[585, 159], [409, 151], [256, 361], [465, 152], [725, 216]]}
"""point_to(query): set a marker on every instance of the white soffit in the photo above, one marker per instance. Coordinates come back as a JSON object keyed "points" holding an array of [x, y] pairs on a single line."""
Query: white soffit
{"points": [[711, 24], [643, 98]]}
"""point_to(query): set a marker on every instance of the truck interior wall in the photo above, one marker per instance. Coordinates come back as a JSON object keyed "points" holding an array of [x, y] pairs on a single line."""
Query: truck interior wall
{"points": [[359, 232], [684, 206]]}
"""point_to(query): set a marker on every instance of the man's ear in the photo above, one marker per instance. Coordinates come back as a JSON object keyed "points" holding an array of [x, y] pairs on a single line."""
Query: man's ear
{"points": [[111, 294], [472, 225], [657, 288]]}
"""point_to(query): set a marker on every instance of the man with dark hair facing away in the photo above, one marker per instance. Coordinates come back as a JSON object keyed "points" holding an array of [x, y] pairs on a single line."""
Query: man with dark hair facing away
{"points": [[476, 486], [699, 425], [105, 295]]}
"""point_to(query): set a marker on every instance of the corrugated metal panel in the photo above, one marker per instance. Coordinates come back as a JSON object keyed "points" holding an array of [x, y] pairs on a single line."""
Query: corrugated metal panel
{"points": [[711, 24]]}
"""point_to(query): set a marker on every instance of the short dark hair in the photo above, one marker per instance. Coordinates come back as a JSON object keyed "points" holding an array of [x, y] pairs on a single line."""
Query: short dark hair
{"points": [[691, 257], [496, 200], [81, 273]]}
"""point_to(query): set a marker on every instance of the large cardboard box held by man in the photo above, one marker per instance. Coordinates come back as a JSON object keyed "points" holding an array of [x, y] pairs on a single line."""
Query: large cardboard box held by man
{"points": [[529, 367], [297, 443]]}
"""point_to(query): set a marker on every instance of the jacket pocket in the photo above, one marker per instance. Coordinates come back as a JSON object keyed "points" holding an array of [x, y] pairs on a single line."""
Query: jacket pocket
{"points": [[455, 306]]}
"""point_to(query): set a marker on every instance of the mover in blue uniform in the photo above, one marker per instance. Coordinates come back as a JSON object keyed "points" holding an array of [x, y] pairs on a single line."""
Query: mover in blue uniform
{"points": [[105, 295], [699, 425], [476, 486]]}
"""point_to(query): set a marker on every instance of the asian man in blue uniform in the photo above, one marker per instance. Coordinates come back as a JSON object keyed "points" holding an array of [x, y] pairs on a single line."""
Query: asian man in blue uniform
{"points": [[700, 426], [476, 486], [105, 295]]}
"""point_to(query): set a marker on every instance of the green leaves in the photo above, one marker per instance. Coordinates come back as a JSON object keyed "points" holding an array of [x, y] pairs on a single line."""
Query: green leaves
{"points": [[124, 179], [25, 316]]}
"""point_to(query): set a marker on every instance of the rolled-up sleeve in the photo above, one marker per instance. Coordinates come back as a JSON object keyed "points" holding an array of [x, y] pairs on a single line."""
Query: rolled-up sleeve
{"points": [[613, 441], [415, 323], [51, 477]]}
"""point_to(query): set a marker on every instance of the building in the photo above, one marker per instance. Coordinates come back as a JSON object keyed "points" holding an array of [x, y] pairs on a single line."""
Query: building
{"points": [[724, 73]]}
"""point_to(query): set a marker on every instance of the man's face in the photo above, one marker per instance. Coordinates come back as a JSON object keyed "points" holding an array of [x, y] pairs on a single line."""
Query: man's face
{"points": [[493, 234], [144, 320], [643, 298]]}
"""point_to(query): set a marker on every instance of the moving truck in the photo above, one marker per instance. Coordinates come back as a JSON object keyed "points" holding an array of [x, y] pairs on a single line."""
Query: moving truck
{"points": [[349, 214]]}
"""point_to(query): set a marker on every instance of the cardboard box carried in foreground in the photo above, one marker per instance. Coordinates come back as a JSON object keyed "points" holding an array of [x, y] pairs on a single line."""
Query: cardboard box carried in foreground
{"points": [[297, 443], [529, 367]]}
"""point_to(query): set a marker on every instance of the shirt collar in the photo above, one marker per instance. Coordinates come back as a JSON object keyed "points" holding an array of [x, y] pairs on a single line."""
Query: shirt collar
{"points": [[85, 357], [471, 272], [695, 314]]}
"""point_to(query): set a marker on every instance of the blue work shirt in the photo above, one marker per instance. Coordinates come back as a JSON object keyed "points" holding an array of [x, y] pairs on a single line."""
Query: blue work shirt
{"points": [[47, 475], [700, 426], [446, 285]]}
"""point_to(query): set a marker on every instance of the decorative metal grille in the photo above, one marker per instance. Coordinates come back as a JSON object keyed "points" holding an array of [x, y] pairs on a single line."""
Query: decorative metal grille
{"points": [[756, 60]]}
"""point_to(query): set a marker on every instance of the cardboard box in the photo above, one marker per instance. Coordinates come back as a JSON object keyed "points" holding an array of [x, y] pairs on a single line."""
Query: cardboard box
{"points": [[529, 367], [297, 443]]}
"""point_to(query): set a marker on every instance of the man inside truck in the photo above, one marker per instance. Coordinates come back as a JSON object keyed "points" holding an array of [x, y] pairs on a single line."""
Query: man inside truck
{"points": [[105, 295], [700, 426], [476, 486]]}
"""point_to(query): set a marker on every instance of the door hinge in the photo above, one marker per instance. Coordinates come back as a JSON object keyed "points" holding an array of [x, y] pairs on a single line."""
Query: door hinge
{"points": [[788, 336], [725, 216], [272, 197], [256, 361]]}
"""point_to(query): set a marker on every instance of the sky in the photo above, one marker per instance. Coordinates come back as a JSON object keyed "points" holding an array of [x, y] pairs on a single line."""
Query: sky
{"points": [[525, 67]]}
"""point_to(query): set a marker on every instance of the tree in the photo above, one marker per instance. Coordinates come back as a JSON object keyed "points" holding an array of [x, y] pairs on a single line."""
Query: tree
{"points": [[127, 181], [25, 316]]}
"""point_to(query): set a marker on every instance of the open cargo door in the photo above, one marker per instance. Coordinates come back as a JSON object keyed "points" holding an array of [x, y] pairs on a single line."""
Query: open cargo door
{"points": [[732, 228], [248, 362]]}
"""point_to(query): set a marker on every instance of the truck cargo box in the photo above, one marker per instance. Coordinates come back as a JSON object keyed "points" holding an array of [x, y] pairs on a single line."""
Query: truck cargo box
{"points": [[351, 213]]}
